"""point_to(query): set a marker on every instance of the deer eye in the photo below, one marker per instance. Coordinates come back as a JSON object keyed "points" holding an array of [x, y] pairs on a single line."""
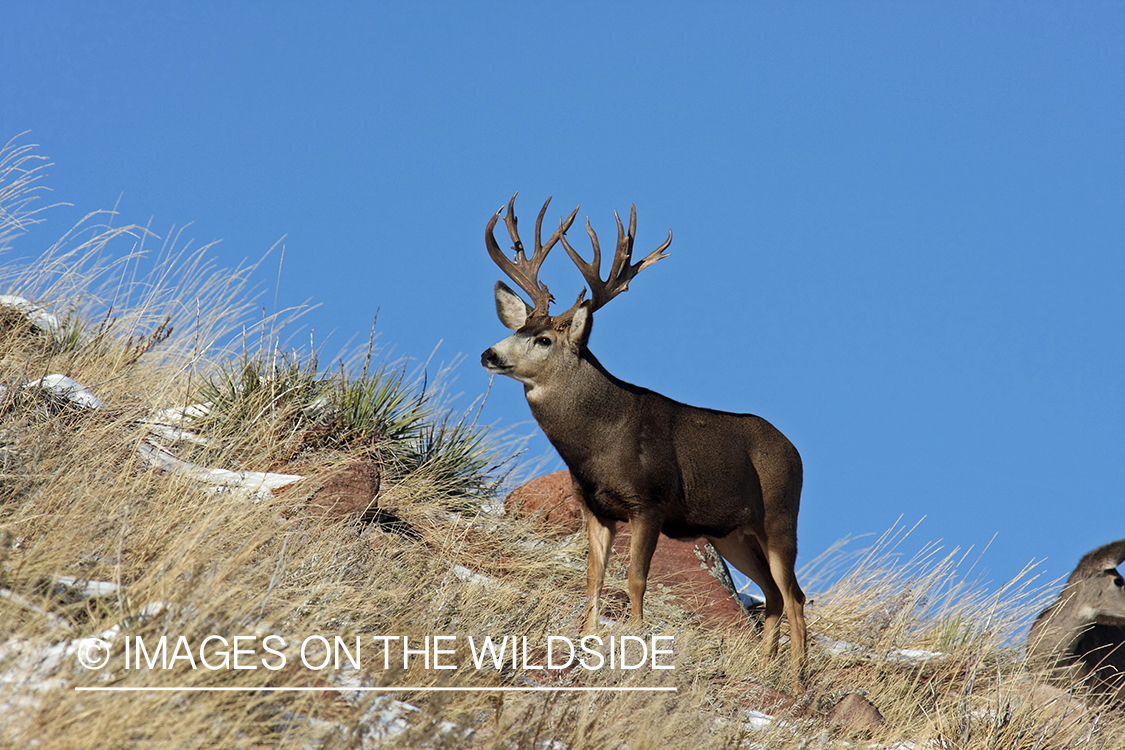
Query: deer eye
{"points": [[543, 341]]}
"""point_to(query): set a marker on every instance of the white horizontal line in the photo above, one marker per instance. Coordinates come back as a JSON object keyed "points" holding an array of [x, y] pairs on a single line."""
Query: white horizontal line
{"points": [[381, 689]]}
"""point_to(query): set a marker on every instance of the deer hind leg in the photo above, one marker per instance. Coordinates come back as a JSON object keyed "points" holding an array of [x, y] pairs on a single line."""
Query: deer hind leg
{"points": [[600, 533], [782, 559], [742, 550]]}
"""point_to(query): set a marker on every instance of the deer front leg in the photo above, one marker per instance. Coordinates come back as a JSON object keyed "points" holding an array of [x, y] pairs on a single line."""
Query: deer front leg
{"points": [[600, 533], [645, 531]]}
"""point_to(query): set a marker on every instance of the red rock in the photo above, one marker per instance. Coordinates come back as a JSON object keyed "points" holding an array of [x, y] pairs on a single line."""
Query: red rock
{"points": [[349, 490], [856, 713], [551, 498]]}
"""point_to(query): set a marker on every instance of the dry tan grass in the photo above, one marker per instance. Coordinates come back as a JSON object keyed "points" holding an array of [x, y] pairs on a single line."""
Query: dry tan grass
{"points": [[75, 500]]}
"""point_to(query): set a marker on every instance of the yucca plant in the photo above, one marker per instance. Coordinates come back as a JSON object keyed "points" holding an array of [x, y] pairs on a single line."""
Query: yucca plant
{"points": [[377, 407], [257, 391], [460, 456]]}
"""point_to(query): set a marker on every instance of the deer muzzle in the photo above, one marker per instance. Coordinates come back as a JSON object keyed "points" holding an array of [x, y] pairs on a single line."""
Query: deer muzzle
{"points": [[492, 362]]}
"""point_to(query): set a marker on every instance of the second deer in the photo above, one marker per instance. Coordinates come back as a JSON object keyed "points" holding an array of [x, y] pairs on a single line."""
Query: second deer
{"points": [[637, 456], [1080, 639]]}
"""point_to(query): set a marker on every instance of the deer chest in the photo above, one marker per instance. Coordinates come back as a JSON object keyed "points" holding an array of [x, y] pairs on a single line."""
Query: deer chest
{"points": [[610, 505]]}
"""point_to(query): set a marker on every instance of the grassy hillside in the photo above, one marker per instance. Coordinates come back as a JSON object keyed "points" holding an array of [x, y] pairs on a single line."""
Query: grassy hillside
{"points": [[183, 486]]}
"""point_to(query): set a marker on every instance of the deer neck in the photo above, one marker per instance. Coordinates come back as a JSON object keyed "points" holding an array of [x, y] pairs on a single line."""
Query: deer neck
{"points": [[583, 382], [1065, 628], [580, 403]]}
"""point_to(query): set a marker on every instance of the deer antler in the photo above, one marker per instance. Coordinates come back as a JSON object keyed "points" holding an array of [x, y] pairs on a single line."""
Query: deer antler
{"points": [[621, 272], [521, 270]]}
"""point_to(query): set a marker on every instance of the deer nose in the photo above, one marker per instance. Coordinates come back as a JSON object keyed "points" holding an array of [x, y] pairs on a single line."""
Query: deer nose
{"points": [[490, 358]]}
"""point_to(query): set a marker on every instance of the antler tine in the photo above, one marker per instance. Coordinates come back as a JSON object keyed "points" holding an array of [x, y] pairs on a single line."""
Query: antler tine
{"points": [[589, 271], [539, 234], [510, 221], [564, 225], [649, 259], [624, 252], [523, 271], [621, 270]]}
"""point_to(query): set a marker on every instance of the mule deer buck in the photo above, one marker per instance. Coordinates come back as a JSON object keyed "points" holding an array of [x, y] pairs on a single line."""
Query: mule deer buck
{"points": [[1080, 639], [637, 456]]}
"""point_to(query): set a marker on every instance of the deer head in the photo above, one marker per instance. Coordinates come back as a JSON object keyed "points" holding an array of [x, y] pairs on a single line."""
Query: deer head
{"points": [[544, 346], [1095, 589]]}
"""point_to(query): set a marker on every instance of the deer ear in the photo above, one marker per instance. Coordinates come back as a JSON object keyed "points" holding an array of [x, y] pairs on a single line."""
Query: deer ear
{"points": [[1106, 557], [511, 310], [580, 325]]}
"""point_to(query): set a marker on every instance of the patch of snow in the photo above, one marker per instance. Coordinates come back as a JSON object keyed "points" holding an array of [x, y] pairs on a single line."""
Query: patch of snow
{"points": [[29, 671], [914, 655], [756, 720], [385, 717], [833, 646], [906, 656], [30, 665], [85, 589], [110, 633], [178, 416], [469, 576], [157, 456], [551, 745], [152, 609], [173, 435], [40, 319], [260, 484], [64, 387]]}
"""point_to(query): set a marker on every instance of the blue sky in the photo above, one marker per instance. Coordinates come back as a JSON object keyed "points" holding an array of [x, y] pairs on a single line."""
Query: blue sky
{"points": [[899, 228]]}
